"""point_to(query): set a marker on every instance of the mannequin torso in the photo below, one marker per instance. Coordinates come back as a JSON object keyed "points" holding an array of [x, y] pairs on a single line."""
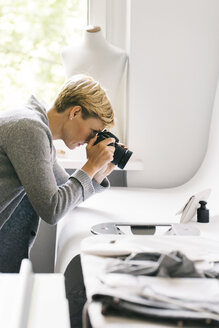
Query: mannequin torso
{"points": [[104, 62]]}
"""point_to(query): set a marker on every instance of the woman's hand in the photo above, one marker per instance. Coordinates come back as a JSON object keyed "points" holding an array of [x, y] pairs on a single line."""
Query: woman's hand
{"points": [[99, 156], [104, 172]]}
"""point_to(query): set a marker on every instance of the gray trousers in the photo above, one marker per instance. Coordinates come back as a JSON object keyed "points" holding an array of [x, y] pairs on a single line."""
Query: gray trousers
{"points": [[17, 236]]}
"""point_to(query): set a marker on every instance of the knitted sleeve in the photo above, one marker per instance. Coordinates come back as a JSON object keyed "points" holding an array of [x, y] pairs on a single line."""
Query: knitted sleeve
{"points": [[29, 149]]}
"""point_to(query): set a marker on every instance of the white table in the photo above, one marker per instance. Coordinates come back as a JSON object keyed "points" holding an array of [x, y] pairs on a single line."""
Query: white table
{"points": [[120, 205]]}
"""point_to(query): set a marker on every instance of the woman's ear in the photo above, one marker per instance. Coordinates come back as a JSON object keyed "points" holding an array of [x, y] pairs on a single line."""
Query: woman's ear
{"points": [[74, 112]]}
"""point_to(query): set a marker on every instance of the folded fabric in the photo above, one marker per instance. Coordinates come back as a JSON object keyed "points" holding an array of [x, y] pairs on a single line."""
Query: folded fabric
{"points": [[171, 300], [160, 287]]}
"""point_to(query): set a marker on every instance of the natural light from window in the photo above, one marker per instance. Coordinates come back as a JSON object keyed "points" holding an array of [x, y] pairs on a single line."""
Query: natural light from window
{"points": [[32, 34]]}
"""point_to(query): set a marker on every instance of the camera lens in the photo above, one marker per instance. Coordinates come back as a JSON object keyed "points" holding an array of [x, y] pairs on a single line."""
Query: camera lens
{"points": [[121, 156], [124, 159]]}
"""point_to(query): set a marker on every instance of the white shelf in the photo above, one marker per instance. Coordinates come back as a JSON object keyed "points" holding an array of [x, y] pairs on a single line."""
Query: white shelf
{"points": [[75, 159], [70, 163]]}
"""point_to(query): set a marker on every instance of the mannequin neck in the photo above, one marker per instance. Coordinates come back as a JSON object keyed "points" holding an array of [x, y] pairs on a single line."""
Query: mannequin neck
{"points": [[94, 38]]}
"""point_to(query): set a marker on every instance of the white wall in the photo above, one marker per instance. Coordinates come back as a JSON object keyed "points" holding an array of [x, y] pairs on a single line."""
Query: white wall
{"points": [[173, 70], [173, 48]]}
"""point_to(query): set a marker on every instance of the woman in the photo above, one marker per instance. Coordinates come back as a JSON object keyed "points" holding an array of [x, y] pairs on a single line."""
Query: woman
{"points": [[32, 184]]}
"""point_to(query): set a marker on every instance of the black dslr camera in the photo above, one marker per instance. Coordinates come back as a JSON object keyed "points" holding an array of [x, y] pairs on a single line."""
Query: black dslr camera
{"points": [[121, 155]]}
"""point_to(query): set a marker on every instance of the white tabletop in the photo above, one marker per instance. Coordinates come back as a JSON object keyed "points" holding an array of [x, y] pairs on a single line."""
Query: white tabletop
{"points": [[117, 204]]}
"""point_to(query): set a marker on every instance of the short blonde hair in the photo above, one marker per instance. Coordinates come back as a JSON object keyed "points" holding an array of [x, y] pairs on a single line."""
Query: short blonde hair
{"points": [[84, 91]]}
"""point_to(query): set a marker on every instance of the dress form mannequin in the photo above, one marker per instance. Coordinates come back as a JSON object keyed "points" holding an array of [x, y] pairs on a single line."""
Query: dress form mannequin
{"points": [[104, 62]]}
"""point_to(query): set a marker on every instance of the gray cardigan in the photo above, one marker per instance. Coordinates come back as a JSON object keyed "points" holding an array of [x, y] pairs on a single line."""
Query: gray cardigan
{"points": [[28, 165]]}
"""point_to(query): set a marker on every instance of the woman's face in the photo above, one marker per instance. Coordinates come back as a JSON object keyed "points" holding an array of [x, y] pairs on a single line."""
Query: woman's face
{"points": [[76, 131]]}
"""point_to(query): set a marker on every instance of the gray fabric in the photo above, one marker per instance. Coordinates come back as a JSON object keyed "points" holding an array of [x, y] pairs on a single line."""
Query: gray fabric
{"points": [[174, 264], [28, 166]]}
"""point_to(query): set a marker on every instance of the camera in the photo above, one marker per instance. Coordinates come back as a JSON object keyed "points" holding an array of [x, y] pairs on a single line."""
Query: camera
{"points": [[121, 155]]}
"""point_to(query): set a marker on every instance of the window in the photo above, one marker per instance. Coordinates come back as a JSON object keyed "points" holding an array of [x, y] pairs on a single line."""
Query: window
{"points": [[32, 34]]}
